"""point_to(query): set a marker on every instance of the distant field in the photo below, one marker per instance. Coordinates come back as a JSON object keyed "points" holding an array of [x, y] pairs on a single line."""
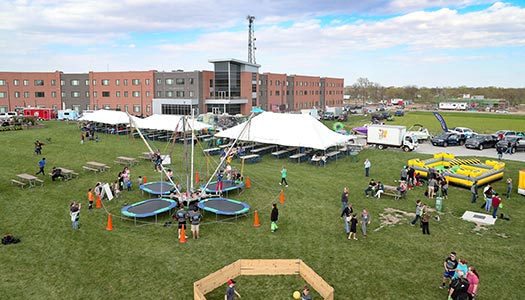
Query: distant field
{"points": [[146, 261]]}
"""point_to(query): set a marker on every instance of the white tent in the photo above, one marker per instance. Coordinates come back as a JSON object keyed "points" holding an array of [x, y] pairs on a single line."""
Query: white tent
{"points": [[108, 117], [296, 130], [169, 122]]}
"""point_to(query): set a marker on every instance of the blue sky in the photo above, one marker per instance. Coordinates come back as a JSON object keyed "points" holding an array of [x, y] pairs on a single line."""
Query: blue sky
{"points": [[432, 43]]}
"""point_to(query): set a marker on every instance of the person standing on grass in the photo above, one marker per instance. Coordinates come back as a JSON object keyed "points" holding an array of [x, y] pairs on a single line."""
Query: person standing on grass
{"points": [[230, 291], [353, 227], [91, 198], [496, 202], [181, 217], [218, 185], [283, 176], [425, 220], [473, 280], [347, 216], [344, 198], [274, 217], [509, 187], [74, 214], [431, 187], [41, 165], [195, 219], [459, 287], [500, 152], [474, 191], [418, 213], [367, 164], [450, 265], [365, 220]]}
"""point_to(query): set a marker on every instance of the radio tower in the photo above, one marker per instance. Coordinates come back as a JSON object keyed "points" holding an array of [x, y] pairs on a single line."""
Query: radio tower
{"points": [[251, 40]]}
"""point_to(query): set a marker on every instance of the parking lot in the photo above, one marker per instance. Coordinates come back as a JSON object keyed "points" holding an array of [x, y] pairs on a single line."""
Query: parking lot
{"points": [[427, 148]]}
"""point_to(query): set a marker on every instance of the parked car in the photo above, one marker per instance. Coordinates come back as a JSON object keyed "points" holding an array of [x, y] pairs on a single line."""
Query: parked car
{"points": [[500, 134], [481, 141], [517, 143], [343, 117], [328, 115], [419, 132], [467, 132], [399, 113], [448, 139]]}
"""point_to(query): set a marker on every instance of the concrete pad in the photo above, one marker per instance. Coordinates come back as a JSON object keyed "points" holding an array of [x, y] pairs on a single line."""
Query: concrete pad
{"points": [[478, 218]]}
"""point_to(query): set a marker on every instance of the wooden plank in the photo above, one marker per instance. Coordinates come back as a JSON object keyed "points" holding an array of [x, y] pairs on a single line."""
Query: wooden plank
{"points": [[218, 278], [316, 281], [270, 267]]}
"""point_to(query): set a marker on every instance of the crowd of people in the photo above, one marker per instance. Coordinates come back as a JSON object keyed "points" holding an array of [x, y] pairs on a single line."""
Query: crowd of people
{"points": [[463, 279]]}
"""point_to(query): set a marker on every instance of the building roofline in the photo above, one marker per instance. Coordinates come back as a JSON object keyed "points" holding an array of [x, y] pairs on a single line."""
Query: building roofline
{"points": [[233, 60]]}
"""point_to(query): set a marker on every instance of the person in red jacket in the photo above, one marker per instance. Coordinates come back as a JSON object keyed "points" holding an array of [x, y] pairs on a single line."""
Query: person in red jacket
{"points": [[496, 202]]}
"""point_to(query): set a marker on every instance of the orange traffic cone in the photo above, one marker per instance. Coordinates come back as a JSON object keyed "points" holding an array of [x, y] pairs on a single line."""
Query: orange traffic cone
{"points": [[256, 219], [144, 180], [99, 203], [183, 234], [281, 198], [248, 183], [110, 223], [197, 177]]}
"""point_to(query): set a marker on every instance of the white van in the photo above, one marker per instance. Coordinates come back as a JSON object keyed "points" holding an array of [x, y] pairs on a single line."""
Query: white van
{"points": [[8, 115]]}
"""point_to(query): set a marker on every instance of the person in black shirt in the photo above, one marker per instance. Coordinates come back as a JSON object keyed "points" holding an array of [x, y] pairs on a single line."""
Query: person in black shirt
{"points": [[274, 217], [459, 287], [56, 173]]}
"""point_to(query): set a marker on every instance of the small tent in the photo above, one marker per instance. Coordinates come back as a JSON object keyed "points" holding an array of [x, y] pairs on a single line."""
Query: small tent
{"points": [[108, 117]]}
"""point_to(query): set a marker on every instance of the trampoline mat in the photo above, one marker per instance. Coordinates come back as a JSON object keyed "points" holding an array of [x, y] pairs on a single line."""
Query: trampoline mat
{"points": [[148, 208], [224, 206], [227, 185], [158, 188]]}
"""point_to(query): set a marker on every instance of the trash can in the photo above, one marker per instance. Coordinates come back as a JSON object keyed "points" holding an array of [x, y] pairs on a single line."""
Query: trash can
{"points": [[439, 204], [354, 156]]}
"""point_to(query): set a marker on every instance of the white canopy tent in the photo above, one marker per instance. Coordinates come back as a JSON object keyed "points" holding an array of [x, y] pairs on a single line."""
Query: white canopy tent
{"points": [[108, 117], [170, 123], [295, 130]]}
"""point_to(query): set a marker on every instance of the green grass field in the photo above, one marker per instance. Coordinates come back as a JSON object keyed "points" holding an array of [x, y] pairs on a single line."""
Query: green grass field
{"points": [[146, 261]]}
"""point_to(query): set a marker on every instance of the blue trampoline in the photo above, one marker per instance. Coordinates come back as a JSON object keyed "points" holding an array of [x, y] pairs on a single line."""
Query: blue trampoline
{"points": [[148, 208], [158, 188], [224, 206], [227, 185]]}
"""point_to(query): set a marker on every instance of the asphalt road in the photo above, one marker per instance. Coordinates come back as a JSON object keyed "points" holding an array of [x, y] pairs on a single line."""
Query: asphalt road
{"points": [[427, 148]]}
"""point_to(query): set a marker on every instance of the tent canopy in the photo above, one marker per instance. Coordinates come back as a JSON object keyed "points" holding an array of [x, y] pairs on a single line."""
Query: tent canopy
{"points": [[108, 117], [170, 123], [295, 130]]}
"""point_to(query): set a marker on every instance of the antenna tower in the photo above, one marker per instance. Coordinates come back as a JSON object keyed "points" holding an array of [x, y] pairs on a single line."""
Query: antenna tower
{"points": [[251, 40]]}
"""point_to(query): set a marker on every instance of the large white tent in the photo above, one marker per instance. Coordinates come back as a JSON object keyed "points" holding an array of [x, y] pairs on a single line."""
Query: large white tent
{"points": [[112, 117], [296, 130], [170, 123]]}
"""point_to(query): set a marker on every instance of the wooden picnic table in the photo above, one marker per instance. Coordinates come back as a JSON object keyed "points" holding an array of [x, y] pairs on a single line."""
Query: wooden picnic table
{"points": [[127, 161], [67, 174], [252, 158], [146, 155], [30, 179], [98, 166], [263, 150]]}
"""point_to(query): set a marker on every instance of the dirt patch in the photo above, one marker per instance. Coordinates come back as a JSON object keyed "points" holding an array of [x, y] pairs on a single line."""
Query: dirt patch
{"points": [[479, 227], [393, 216]]}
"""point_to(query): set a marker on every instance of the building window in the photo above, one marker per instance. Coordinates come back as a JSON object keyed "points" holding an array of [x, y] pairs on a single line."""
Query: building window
{"points": [[63, 94], [169, 94], [62, 82], [135, 81], [169, 81], [136, 94], [53, 82], [126, 108], [211, 82], [87, 94], [54, 94], [147, 93], [75, 94], [191, 80], [159, 94], [148, 108], [26, 82], [147, 81], [26, 94], [94, 82], [270, 82], [95, 94], [136, 108], [2, 82], [39, 82], [126, 94], [75, 107], [16, 82], [87, 107], [105, 81], [17, 94], [75, 82], [117, 81], [3, 95], [180, 94], [40, 94], [191, 94], [95, 106], [277, 93], [105, 94], [159, 81], [117, 93], [125, 82], [119, 107], [271, 92], [180, 81], [87, 82]]}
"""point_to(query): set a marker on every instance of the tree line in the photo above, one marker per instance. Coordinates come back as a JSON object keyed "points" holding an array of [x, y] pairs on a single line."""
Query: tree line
{"points": [[364, 90]]}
